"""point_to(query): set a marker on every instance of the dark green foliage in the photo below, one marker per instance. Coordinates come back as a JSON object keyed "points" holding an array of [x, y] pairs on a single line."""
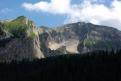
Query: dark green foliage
{"points": [[93, 66], [1, 29], [3, 33], [17, 28]]}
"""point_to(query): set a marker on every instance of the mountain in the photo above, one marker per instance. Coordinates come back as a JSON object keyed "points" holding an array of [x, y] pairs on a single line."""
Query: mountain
{"points": [[80, 37], [21, 39]]}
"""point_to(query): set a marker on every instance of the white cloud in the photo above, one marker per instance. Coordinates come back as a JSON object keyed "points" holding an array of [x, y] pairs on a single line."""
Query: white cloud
{"points": [[93, 11], [54, 7]]}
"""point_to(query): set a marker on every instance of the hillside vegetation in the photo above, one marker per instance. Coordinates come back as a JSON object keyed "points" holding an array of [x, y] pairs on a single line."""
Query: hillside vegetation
{"points": [[18, 27]]}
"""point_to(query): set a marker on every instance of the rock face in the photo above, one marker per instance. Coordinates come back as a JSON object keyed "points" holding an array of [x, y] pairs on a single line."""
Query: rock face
{"points": [[19, 40], [80, 37]]}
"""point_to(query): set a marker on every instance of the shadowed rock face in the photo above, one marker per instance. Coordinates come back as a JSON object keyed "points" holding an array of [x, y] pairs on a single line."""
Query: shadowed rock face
{"points": [[18, 49], [19, 40]]}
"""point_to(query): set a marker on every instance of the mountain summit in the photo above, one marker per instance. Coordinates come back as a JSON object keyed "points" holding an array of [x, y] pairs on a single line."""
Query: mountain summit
{"points": [[21, 39]]}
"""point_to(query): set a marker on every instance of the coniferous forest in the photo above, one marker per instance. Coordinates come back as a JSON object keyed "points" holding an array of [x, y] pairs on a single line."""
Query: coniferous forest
{"points": [[92, 66]]}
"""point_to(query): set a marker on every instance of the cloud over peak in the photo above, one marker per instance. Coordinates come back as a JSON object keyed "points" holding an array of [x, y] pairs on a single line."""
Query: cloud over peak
{"points": [[94, 11]]}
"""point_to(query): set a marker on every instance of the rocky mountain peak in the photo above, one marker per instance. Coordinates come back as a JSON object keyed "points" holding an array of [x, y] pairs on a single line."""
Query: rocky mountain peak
{"points": [[82, 37], [21, 40]]}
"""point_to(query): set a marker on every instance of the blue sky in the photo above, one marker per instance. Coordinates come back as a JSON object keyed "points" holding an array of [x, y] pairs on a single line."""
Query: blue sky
{"points": [[13, 9], [63, 11]]}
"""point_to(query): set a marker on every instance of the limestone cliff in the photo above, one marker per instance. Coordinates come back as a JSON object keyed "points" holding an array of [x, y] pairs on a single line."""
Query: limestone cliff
{"points": [[19, 40]]}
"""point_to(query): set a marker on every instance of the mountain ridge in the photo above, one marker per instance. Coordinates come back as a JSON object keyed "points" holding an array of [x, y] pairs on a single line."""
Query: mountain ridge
{"points": [[80, 31], [22, 39]]}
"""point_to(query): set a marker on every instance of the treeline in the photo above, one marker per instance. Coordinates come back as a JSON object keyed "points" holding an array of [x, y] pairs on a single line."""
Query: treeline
{"points": [[92, 66]]}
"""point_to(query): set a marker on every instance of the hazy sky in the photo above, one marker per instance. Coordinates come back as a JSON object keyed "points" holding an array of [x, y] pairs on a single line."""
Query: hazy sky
{"points": [[58, 12]]}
